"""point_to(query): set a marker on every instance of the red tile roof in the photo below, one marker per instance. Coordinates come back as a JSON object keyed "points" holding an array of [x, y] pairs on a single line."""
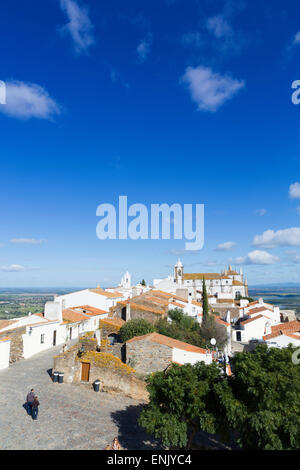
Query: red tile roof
{"points": [[170, 342], [6, 323], [244, 322], [90, 311], [112, 295], [287, 329]]}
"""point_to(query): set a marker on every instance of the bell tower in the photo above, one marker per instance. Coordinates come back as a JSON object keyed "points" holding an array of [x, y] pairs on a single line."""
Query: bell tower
{"points": [[178, 272]]}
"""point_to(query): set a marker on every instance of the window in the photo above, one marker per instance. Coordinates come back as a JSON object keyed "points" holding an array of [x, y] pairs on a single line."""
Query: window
{"points": [[42, 339]]}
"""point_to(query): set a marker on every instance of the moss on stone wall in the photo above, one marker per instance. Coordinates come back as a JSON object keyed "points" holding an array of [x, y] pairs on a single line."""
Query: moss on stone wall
{"points": [[106, 360]]}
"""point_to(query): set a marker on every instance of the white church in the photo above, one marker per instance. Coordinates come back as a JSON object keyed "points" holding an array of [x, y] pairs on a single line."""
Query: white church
{"points": [[228, 285]]}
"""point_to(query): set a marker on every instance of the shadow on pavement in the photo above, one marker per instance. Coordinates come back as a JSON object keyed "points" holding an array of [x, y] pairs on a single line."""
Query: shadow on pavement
{"points": [[131, 436]]}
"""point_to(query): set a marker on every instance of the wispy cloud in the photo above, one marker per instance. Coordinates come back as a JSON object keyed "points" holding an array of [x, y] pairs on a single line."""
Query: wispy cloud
{"points": [[257, 257], [208, 89], [28, 241], [294, 191], [28, 100], [261, 212], [144, 48], [296, 39], [225, 246], [219, 26], [272, 239], [13, 268], [79, 25]]}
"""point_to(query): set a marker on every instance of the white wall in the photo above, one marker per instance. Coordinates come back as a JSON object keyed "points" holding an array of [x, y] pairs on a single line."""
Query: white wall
{"points": [[187, 357], [86, 297], [283, 341], [32, 338], [4, 354]]}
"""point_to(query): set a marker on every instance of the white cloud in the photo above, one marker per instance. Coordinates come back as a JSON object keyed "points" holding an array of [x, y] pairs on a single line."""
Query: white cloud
{"points": [[296, 38], [28, 100], [257, 257], [261, 212], [208, 89], [79, 26], [144, 48], [271, 238], [225, 246], [294, 191], [13, 268], [27, 241], [219, 27]]}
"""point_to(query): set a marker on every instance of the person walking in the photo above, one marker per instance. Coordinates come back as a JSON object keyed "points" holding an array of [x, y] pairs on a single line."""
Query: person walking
{"points": [[35, 409], [29, 400], [116, 444]]}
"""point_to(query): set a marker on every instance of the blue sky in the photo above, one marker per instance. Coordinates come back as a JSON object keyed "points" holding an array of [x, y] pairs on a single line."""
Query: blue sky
{"points": [[167, 101]]}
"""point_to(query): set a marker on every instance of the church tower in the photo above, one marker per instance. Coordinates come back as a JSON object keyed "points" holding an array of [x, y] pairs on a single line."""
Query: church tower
{"points": [[178, 272]]}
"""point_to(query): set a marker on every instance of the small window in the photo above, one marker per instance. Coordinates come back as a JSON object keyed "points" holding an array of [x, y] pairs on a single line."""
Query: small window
{"points": [[42, 339]]}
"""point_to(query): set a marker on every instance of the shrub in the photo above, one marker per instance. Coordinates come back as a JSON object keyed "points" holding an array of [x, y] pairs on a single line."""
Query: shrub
{"points": [[136, 327]]}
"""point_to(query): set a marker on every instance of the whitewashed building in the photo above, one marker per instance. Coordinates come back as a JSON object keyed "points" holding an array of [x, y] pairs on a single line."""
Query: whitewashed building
{"points": [[226, 286]]}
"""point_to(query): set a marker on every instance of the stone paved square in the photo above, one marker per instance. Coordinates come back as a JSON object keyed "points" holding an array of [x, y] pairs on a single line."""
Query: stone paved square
{"points": [[71, 417]]}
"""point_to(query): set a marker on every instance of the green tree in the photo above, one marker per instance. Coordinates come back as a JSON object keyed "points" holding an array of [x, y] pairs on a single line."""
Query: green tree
{"points": [[183, 400], [143, 283], [211, 329], [259, 403], [204, 301], [182, 328], [265, 404], [136, 327]]}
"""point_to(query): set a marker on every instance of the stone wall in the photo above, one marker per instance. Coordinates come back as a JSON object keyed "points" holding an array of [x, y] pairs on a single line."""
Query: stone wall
{"points": [[223, 309], [149, 316], [16, 345], [146, 357], [114, 376]]}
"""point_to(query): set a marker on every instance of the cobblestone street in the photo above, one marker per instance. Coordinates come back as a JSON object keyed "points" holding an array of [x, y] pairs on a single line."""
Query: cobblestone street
{"points": [[70, 416]]}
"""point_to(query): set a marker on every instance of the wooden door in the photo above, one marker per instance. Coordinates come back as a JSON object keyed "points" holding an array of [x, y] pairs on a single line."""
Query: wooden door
{"points": [[85, 371]]}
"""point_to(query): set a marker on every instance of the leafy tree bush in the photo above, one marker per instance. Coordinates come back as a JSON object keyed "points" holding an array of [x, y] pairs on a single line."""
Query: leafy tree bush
{"points": [[136, 327], [182, 401], [265, 403], [182, 328], [211, 329], [259, 403]]}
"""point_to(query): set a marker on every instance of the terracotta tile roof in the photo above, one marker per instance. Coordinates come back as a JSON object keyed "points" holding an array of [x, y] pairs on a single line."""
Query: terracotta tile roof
{"points": [[177, 304], [222, 322], [182, 299], [287, 329], [253, 311], [160, 292], [146, 308], [164, 302], [115, 321], [206, 276], [170, 342], [237, 283], [70, 315], [112, 295], [90, 311], [6, 323], [244, 322]]}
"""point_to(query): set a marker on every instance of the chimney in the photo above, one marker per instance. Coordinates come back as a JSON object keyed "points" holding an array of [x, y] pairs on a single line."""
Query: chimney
{"points": [[53, 311]]}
